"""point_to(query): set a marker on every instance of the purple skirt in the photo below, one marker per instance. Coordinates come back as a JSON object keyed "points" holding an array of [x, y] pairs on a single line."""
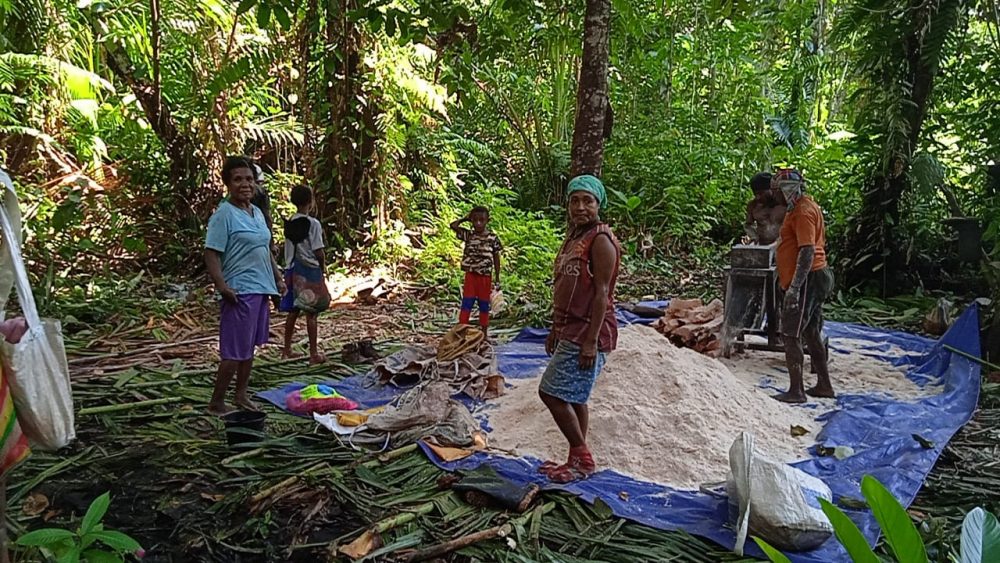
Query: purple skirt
{"points": [[243, 326]]}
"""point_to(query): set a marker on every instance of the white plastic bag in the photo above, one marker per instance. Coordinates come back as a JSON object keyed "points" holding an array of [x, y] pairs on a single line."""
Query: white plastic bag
{"points": [[39, 374], [775, 501], [497, 302], [8, 200], [938, 319]]}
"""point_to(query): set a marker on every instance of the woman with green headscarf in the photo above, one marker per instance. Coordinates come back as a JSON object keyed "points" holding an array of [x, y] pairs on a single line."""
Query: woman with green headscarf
{"points": [[584, 328]]}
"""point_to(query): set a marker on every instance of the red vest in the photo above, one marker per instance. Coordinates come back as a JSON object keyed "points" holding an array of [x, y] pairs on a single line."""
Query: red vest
{"points": [[574, 291]]}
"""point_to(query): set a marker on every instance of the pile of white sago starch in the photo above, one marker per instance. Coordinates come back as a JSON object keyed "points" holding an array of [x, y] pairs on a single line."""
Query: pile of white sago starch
{"points": [[669, 415]]}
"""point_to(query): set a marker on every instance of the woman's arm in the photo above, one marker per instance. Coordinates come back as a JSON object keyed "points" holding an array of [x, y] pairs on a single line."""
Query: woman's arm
{"points": [[279, 280], [603, 256], [213, 263]]}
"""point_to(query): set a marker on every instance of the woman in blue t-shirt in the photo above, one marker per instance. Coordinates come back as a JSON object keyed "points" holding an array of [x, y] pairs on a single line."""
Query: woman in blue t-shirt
{"points": [[239, 261]]}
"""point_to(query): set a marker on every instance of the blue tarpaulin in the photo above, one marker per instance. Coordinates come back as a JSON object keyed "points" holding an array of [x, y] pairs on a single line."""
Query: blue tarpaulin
{"points": [[879, 429]]}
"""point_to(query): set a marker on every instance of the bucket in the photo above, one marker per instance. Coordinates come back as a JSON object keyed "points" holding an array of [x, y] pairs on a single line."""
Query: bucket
{"points": [[244, 427]]}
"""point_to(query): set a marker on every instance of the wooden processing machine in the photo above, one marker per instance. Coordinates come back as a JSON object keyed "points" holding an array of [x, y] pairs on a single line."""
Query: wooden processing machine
{"points": [[751, 300]]}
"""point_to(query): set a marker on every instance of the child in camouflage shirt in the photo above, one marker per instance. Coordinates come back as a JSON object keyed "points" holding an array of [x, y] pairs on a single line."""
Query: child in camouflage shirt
{"points": [[480, 262]]}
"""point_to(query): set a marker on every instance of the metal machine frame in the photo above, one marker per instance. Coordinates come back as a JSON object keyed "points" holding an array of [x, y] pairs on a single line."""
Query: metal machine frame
{"points": [[768, 327], [754, 262]]}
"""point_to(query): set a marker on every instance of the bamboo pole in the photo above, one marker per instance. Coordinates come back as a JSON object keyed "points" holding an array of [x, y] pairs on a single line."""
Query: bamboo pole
{"points": [[459, 543], [969, 356], [390, 455], [243, 455], [128, 406], [257, 498], [402, 518], [462, 542]]}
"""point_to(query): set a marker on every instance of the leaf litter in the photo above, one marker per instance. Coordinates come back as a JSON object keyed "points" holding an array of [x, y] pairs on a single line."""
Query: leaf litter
{"points": [[185, 495]]}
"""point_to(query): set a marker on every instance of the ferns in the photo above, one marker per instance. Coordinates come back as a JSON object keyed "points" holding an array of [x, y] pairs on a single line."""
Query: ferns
{"points": [[276, 131], [27, 132], [18, 67], [78, 82], [256, 62], [938, 29], [471, 149], [897, 47], [883, 34]]}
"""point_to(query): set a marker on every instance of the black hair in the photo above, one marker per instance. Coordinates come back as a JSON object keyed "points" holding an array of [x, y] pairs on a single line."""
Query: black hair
{"points": [[760, 182], [480, 209], [301, 195], [234, 163]]}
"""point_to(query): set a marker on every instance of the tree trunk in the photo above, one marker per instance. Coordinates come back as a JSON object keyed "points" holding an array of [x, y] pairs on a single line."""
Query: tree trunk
{"points": [[188, 168], [340, 164], [306, 39], [154, 40], [592, 91], [874, 246]]}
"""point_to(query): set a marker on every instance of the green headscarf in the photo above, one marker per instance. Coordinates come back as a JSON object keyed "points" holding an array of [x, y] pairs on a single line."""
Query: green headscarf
{"points": [[591, 185]]}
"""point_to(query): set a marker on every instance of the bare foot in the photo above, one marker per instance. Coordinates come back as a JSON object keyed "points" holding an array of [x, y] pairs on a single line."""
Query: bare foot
{"points": [[246, 404], [822, 392], [221, 409], [288, 355], [791, 397], [317, 358]]}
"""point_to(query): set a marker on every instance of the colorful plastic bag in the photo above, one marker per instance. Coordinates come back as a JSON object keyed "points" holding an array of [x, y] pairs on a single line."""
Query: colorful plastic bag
{"points": [[319, 399], [13, 443], [36, 369], [308, 288]]}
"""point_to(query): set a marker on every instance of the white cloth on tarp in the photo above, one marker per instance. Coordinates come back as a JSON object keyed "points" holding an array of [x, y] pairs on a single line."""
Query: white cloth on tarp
{"points": [[329, 421]]}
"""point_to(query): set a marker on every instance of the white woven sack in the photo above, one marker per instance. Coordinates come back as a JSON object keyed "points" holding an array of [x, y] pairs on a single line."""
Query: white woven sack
{"points": [[39, 374]]}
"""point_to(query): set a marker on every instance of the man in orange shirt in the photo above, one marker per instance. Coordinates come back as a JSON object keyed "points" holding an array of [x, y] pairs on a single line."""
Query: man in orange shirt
{"points": [[806, 281]]}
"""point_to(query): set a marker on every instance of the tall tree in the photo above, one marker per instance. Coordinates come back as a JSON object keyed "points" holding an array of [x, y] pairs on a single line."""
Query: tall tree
{"points": [[344, 192], [901, 45], [592, 91]]}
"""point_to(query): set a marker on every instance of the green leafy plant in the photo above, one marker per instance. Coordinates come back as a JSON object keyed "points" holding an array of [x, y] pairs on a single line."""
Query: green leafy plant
{"points": [[81, 546], [980, 537], [897, 527], [980, 532]]}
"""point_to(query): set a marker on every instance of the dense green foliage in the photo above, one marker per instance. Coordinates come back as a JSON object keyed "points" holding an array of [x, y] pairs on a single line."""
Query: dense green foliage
{"points": [[114, 117]]}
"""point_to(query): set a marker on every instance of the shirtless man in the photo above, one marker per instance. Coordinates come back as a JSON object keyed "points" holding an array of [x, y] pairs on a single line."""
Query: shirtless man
{"points": [[765, 212]]}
